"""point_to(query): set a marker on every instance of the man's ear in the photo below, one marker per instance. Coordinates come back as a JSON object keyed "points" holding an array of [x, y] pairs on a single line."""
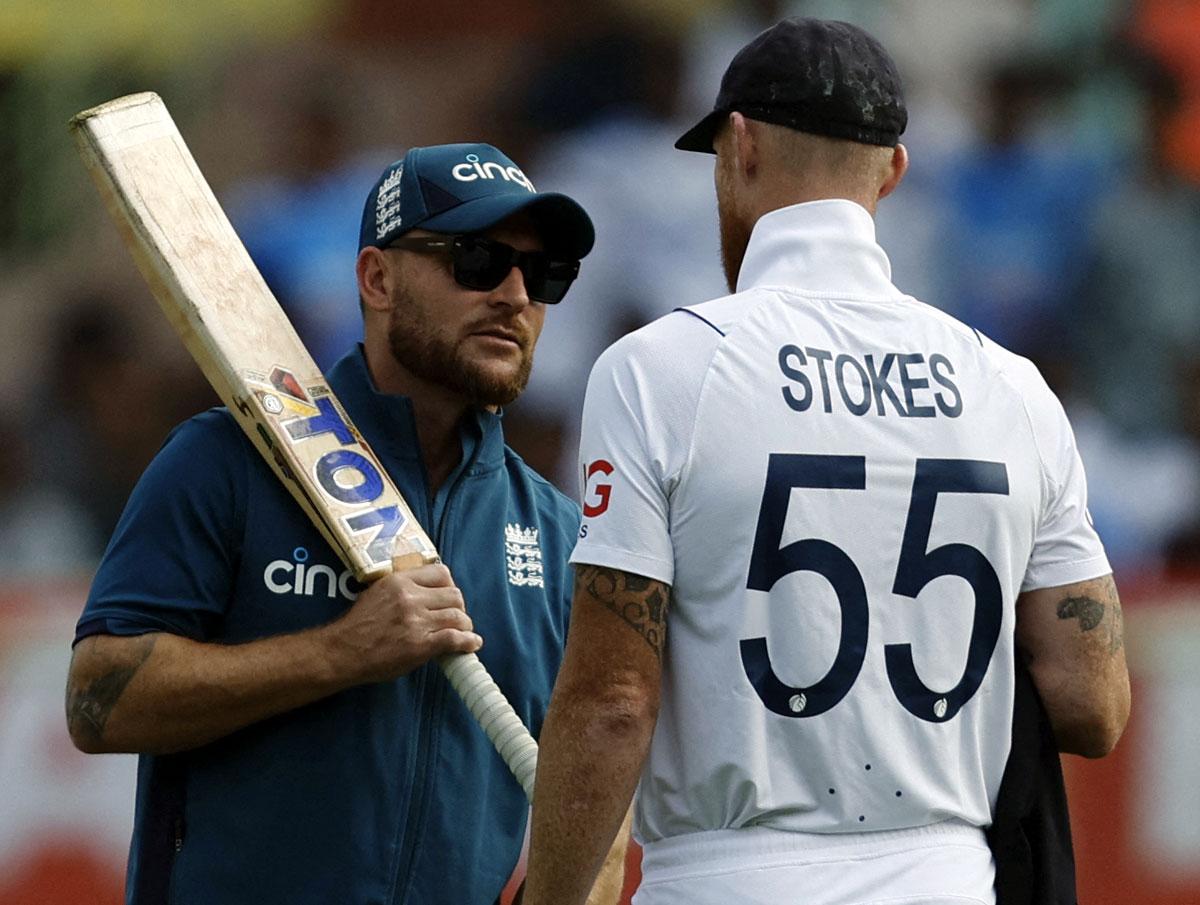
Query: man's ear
{"points": [[374, 279], [899, 166], [745, 139]]}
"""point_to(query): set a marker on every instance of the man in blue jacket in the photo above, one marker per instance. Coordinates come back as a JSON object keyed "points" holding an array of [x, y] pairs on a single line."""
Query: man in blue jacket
{"points": [[297, 745]]}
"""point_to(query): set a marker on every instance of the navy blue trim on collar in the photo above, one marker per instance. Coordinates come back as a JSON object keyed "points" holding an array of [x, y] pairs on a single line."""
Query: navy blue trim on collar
{"points": [[699, 317]]}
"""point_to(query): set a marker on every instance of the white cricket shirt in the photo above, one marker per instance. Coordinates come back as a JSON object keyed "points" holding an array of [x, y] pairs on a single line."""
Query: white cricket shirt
{"points": [[847, 489]]}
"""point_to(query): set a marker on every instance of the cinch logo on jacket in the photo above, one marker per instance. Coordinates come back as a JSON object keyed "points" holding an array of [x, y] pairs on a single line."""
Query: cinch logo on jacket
{"points": [[298, 577]]}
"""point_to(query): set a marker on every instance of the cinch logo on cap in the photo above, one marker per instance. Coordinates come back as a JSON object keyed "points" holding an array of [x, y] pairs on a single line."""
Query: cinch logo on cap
{"points": [[387, 204], [473, 169]]}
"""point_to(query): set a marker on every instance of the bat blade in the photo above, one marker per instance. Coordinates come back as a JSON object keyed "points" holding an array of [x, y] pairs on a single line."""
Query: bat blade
{"points": [[214, 296], [219, 304]]}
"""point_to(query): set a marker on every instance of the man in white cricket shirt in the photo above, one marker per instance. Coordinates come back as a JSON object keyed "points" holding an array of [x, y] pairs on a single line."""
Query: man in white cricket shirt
{"points": [[822, 524]]}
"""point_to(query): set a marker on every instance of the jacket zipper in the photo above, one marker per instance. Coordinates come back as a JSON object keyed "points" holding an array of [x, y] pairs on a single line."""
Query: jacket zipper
{"points": [[431, 694], [177, 828]]}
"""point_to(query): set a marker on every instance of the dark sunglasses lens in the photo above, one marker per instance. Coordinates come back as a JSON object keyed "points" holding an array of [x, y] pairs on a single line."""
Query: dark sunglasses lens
{"points": [[548, 281], [483, 264], [480, 263]]}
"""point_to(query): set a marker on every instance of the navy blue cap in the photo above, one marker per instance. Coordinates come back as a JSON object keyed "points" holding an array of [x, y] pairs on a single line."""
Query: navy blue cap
{"points": [[812, 75], [468, 188]]}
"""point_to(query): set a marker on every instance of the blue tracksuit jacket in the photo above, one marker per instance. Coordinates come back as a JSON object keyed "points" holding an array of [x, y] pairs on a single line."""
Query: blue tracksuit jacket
{"points": [[380, 795]]}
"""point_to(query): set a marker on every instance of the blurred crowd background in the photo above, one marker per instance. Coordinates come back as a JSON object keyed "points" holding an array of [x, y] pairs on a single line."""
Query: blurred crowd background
{"points": [[1053, 202]]}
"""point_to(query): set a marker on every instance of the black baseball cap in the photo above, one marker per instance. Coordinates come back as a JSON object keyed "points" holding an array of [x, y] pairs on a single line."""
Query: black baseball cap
{"points": [[813, 75], [468, 188]]}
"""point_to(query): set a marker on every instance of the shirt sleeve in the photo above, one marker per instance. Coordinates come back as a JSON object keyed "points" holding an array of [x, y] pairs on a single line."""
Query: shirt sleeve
{"points": [[1066, 547], [634, 441], [171, 562]]}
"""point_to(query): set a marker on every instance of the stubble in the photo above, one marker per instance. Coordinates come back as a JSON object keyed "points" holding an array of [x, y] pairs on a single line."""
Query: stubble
{"points": [[440, 359]]}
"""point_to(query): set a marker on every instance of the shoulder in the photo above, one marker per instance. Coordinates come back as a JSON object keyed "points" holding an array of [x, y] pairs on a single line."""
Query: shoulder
{"points": [[666, 354], [992, 359], [205, 448], [194, 488], [550, 502], [945, 324], [206, 465], [1023, 376], [724, 313], [213, 429], [1053, 439]]}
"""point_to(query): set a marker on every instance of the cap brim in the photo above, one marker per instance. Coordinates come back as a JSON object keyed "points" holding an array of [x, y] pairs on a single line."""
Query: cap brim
{"points": [[700, 136], [564, 225]]}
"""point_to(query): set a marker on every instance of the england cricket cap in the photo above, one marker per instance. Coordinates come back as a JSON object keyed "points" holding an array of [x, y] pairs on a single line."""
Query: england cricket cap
{"points": [[813, 75], [468, 188]]}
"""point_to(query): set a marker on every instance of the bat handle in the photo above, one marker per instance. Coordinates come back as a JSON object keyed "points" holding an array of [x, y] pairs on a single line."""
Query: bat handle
{"points": [[493, 712], [483, 697]]}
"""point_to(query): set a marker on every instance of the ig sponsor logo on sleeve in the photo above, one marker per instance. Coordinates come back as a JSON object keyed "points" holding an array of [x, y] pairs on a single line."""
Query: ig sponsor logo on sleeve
{"points": [[596, 490]]}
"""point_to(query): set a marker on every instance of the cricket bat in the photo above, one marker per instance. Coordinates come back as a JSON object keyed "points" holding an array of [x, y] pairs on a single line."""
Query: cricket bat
{"points": [[219, 304]]}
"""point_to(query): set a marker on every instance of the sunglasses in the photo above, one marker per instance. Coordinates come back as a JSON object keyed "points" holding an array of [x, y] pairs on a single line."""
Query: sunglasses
{"points": [[483, 264]]}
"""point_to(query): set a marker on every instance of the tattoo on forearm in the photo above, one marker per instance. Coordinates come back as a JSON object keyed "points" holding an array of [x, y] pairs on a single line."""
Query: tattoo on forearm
{"points": [[1092, 613], [89, 708], [641, 602]]}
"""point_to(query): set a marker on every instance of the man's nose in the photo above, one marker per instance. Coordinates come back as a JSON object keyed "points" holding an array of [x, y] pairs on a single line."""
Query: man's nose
{"points": [[511, 291]]}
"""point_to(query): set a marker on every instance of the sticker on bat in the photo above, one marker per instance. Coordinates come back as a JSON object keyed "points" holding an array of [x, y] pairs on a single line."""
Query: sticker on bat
{"points": [[350, 478], [285, 382]]}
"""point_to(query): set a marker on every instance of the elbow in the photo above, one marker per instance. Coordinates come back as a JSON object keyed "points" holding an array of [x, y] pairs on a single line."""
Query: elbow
{"points": [[615, 714], [1095, 735], [88, 722], [1093, 741], [102, 667], [92, 731], [83, 732], [85, 735], [1087, 710], [630, 716], [625, 714]]}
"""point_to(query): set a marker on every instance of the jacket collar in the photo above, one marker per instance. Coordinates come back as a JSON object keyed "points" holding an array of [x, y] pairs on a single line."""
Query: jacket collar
{"points": [[824, 246], [388, 422]]}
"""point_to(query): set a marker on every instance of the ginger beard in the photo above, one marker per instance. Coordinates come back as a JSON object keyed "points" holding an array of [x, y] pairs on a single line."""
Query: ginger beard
{"points": [[735, 231], [441, 358], [735, 237]]}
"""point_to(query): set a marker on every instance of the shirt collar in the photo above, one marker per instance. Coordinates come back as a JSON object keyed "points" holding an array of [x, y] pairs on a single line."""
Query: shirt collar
{"points": [[823, 246], [388, 422]]}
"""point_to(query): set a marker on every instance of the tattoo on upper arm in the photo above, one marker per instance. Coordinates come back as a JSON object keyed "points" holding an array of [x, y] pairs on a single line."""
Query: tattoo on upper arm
{"points": [[1089, 612], [1092, 613], [89, 707], [641, 602]]}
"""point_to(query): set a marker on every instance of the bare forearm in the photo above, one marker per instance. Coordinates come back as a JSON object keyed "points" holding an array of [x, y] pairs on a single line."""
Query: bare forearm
{"points": [[159, 693], [593, 752], [611, 881], [597, 731]]}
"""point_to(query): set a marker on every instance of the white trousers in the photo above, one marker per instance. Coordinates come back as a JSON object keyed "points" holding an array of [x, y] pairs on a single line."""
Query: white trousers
{"points": [[944, 864]]}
